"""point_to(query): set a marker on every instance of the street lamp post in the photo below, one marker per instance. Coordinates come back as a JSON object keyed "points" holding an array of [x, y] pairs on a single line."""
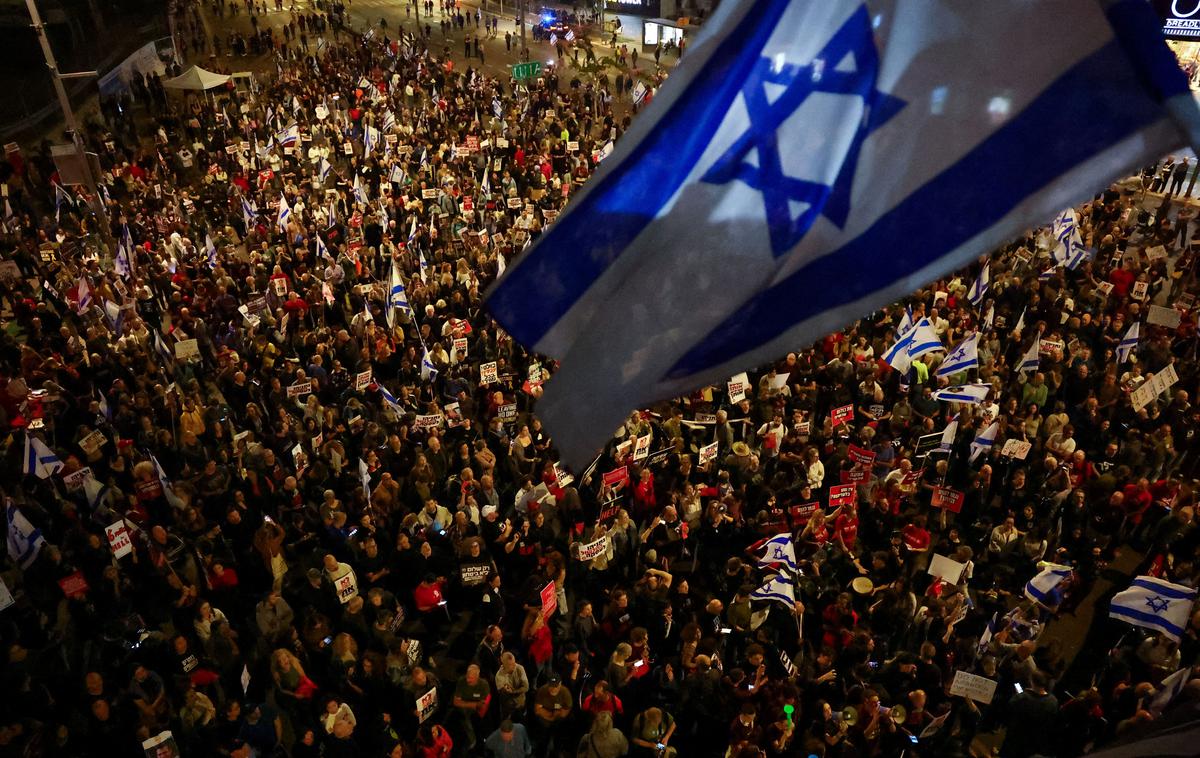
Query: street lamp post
{"points": [[69, 117]]}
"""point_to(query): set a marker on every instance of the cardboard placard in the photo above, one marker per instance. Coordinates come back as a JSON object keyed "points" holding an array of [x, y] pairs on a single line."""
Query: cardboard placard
{"points": [[514, 202], [299, 389], [842, 494], [737, 386], [860, 456], [73, 585], [944, 497], [946, 569], [549, 600], [427, 704], [842, 415], [460, 346], [429, 194], [1160, 316], [617, 477], [1015, 449], [1157, 252], [978, 688], [708, 453], [92, 443], [362, 380], [187, 349], [1140, 290], [162, 745], [75, 480], [507, 412], [800, 514], [118, 539], [642, 448], [592, 550], [488, 373], [431, 421]]}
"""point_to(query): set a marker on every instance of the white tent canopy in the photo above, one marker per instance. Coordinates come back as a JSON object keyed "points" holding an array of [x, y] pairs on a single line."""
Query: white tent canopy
{"points": [[196, 78]]}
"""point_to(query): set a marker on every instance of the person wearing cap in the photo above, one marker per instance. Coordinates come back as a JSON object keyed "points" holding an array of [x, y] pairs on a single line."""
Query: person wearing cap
{"points": [[509, 741], [551, 708]]}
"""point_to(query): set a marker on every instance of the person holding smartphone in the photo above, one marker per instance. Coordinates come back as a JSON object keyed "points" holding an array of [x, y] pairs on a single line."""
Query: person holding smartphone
{"points": [[651, 734]]}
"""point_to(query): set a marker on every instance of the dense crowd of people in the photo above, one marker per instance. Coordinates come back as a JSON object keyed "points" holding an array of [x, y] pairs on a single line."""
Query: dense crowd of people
{"points": [[288, 494]]}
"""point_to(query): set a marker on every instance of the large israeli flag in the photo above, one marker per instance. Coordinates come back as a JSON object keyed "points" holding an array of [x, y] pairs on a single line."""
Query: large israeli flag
{"points": [[1038, 588], [39, 459], [778, 588], [985, 441], [1155, 604], [972, 394], [1128, 344], [812, 161]]}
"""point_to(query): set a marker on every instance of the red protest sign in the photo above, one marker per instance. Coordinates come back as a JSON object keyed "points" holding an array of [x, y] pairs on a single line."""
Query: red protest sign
{"points": [[800, 514], [842, 494], [855, 476], [549, 600], [860, 455], [73, 585], [944, 497], [617, 477], [842, 415]]}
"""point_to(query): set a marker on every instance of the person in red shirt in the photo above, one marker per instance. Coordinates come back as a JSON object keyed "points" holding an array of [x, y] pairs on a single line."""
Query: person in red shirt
{"points": [[916, 536], [845, 527], [1122, 281], [428, 594]]}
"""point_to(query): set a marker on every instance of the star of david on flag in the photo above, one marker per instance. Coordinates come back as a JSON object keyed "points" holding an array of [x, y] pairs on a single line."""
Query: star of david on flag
{"points": [[779, 549], [1155, 604], [808, 163]]}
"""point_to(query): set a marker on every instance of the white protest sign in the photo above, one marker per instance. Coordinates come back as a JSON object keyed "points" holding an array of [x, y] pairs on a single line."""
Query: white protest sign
{"points": [[299, 389], [1140, 290], [428, 422], [187, 349], [946, 569], [92, 443], [592, 549], [978, 688], [562, 476], [737, 387], [118, 539], [1160, 316], [708, 453], [427, 704], [1104, 288], [1155, 253], [460, 346], [643, 447], [6, 598], [488, 374], [75, 480], [1015, 449], [361, 380]]}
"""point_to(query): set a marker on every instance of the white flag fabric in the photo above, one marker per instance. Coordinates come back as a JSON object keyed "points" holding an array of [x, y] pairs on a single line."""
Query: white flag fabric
{"points": [[364, 477], [281, 220], [174, 500], [961, 358], [924, 340], [210, 248], [1020, 325], [40, 460], [1129, 342], [429, 371], [1038, 588], [1169, 689], [915, 162], [973, 394], [1032, 357], [897, 355], [1155, 604], [779, 549], [948, 435], [778, 588], [24, 539], [985, 440]]}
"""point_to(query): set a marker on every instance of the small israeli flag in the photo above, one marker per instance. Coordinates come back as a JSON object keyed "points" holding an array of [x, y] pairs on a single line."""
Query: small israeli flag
{"points": [[778, 588], [1032, 357], [83, 294], [984, 441], [1019, 327], [289, 136], [323, 169], [370, 139], [364, 477], [40, 460], [249, 211], [972, 394], [429, 371], [962, 358], [1128, 344], [779, 549], [322, 251], [979, 287], [397, 174], [25, 541], [1155, 604], [389, 120], [174, 500], [1038, 588], [948, 434], [423, 267], [360, 193], [121, 262], [211, 248], [285, 213]]}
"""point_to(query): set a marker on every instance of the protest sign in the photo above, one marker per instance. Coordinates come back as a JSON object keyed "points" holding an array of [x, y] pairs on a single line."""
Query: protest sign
{"points": [[549, 600], [592, 549], [842, 494], [642, 449], [1014, 448], [801, 513], [431, 421], [474, 573], [1160, 316], [708, 453], [118, 539], [162, 745], [92, 443], [73, 585], [842, 415], [946, 569], [507, 412], [427, 704], [361, 380], [562, 476], [944, 497], [488, 373], [299, 389], [617, 477], [76, 479], [6, 598], [1158, 252], [860, 456], [737, 387], [1140, 290], [978, 688], [187, 349], [460, 346]]}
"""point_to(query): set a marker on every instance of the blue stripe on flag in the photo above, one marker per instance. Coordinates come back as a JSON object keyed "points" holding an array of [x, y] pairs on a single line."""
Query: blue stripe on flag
{"points": [[1164, 590], [1071, 121], [1152, 619], [1138, 31], [616, 208]]}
